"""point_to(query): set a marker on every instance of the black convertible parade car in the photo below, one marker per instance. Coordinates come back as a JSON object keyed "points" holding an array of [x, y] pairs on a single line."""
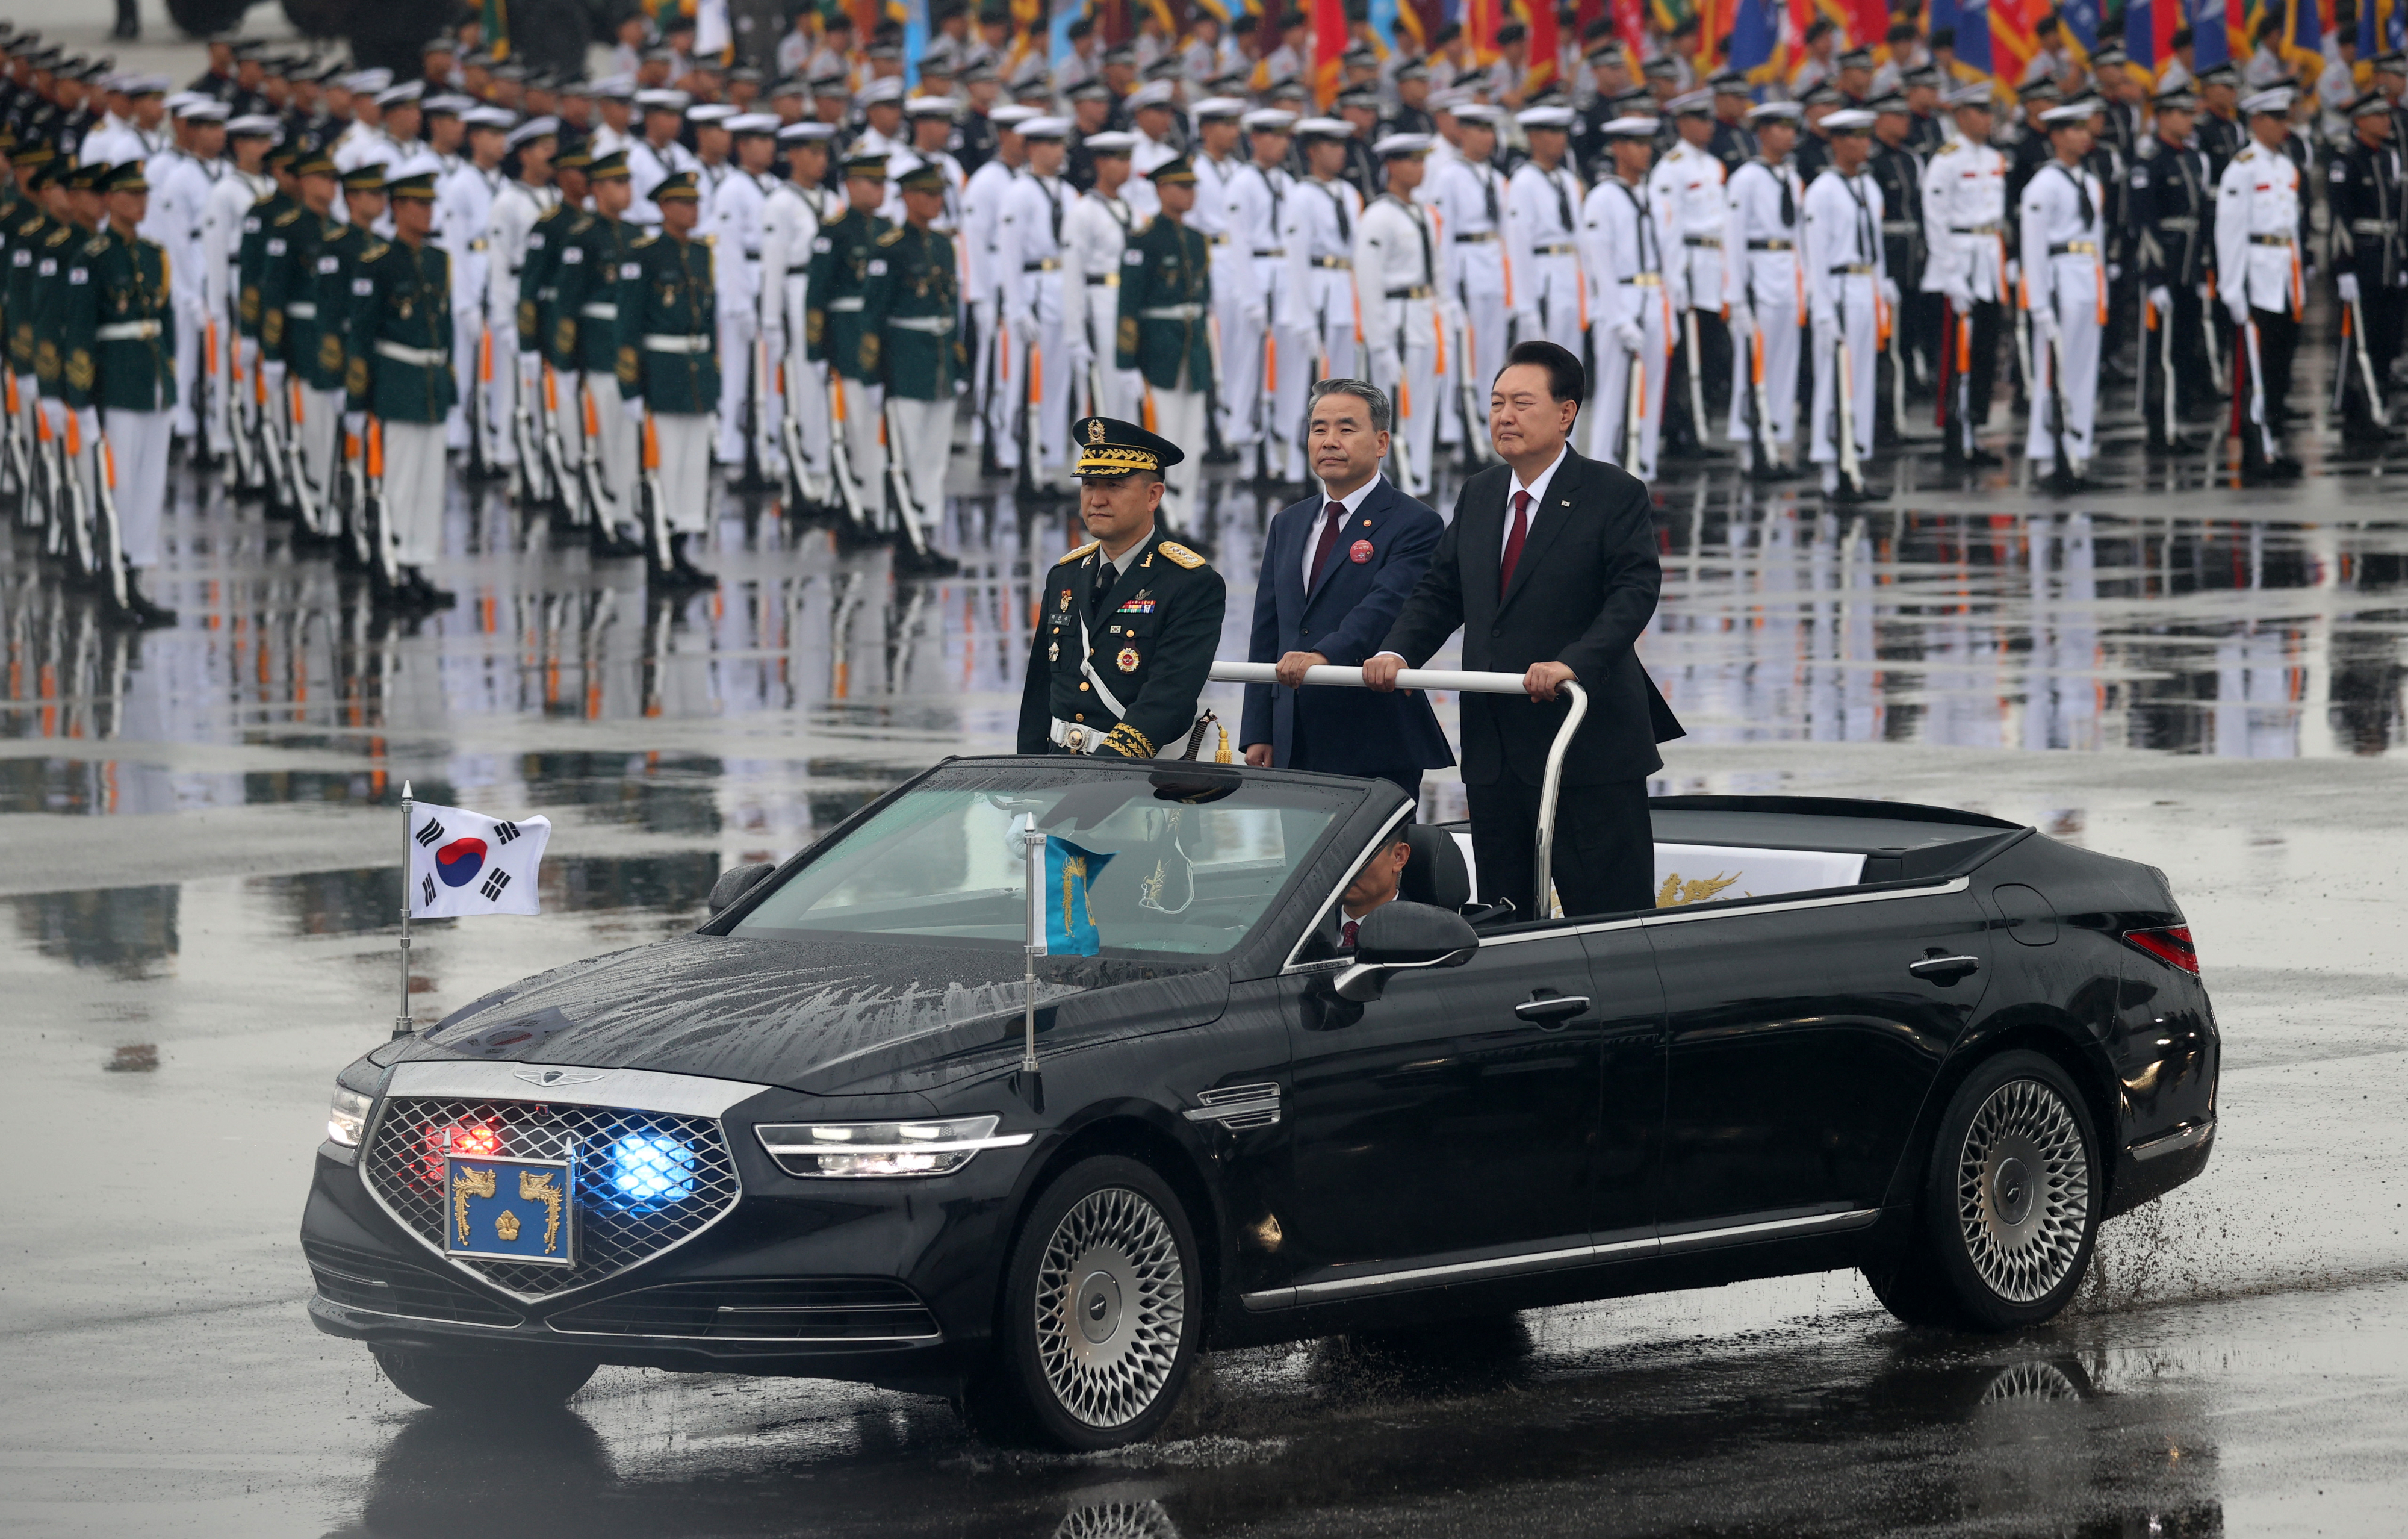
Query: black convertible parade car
{"points": [[807, 1140]]}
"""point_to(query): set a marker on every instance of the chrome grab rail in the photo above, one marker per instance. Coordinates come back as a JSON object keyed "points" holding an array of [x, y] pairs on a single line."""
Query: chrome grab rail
{"points": [[1463, 683]]}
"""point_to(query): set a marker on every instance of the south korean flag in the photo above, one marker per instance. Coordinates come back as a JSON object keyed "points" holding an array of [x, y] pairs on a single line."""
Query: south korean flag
{"points": [[464, 863]]}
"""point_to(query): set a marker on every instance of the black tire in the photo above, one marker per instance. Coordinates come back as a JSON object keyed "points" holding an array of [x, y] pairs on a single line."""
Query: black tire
{"points": [[486, 1384], [206, 18], [2010, 1206], [1099, 1318]]}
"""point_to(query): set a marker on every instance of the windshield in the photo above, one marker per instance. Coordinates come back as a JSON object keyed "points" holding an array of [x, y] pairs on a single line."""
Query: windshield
{"points": [[1180, 877]]}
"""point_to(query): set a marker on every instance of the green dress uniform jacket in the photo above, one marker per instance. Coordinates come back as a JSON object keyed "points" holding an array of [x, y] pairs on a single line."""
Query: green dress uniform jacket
{"points": [[669, 326], [1150, 643], [912, 304], [265, 236], [25, 236], [1166, 297], [119, 332], [289, 317], [539, 274], [835, 293], [60, 262], [400, 363], [338, 265], [584, 328]]}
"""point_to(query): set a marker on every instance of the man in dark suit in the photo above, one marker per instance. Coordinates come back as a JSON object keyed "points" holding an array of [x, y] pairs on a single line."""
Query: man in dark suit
{"points": [[1335, 570], [1549, 570]]}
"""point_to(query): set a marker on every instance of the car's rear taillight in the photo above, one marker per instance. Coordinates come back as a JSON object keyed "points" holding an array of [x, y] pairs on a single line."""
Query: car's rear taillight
{"points": [[2172, 946]]}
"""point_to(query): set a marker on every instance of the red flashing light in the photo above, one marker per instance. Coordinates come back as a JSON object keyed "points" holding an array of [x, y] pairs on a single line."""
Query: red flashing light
{"points": [[2172, 946], [476, 1140]]}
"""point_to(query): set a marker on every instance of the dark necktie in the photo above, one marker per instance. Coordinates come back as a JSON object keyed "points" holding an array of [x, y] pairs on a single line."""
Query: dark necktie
{"points": [[1103, 589], [1347, 942], [1513, 541], [2081, 194], [1345, 225], [1488, 195], [1328, 541]]}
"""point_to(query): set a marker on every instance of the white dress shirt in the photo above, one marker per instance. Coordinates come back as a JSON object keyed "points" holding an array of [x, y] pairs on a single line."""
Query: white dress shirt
{"points": [[1538, 490]]}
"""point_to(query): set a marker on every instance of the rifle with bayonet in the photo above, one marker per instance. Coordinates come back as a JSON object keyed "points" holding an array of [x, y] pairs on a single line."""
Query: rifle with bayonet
{"points": [[555, 450], [841, 452]]}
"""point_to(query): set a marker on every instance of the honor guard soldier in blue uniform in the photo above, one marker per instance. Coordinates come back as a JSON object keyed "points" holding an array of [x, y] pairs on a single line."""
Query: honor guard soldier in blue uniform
{"points": [[1130, 621], [399, 371], [669, 368]]}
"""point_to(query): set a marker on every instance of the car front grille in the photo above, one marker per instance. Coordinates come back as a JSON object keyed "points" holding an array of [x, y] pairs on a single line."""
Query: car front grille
{"points": [[366, 1280], [839, 1310], [691, 1178]]}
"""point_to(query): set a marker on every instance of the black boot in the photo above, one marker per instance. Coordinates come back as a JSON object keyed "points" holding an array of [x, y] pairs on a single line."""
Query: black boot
{"points": [[610, 545], [682, 572], [424, 595], [142, 608]]}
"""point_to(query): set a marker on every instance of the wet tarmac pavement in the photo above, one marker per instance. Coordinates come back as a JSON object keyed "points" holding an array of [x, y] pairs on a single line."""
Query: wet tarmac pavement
{"points": [[203, 860]]}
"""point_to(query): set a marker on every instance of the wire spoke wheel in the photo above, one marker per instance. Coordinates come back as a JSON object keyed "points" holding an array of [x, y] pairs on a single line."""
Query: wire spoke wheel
{"points": [[2023, 1191], [1111, 1307]]}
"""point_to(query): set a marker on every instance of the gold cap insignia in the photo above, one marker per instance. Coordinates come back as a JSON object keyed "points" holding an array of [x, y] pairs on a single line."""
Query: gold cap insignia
{"points": [[1095, 432]]}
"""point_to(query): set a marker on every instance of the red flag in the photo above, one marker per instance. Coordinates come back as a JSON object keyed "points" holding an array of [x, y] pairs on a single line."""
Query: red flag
{"points": [[1329, 40], [1540, 73]]}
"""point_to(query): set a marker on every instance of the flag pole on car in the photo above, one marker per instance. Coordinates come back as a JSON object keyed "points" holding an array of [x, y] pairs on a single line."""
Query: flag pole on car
{"points": [[1032, 848], [401, 1022]]}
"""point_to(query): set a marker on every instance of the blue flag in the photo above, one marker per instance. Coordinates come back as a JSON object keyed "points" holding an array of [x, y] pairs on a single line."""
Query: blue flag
{"points": [[1069, 871]]}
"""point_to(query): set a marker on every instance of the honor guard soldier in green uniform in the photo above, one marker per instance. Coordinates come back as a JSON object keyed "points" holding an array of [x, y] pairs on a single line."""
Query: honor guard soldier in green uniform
{"points": [[289, 328], [119, 333], [328, 378], [1129, 621], [28, 227], [592, 253], [1166, 300], [399, 371], [269, 224], [833, 328], [669, 368], [537, 310], [61, 262], [912, 304]]}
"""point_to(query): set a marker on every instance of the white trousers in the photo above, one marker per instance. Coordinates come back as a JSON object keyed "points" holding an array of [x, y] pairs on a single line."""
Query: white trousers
{"points": [[1483, 342], [188, 365], [512, 372], [615, 447], [807, 402], [737, 334], [137, 444], [1245, 414], [220, 364], [413, 490], [1410, 380], [1856, 325], [567, 411], [1006, 357], [1555, 299], [2076, 306], [1122, 388], [319, 435], [1179, 416], [923, 433], [683, 439], [1618, 373], [857, 404], [468, 339], [1044, 382], [1232, 412], [1287, 352], [1778, 334], [1329, 294]]}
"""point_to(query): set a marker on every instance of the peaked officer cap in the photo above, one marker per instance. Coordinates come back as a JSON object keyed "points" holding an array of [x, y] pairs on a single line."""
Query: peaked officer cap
{"points": [[418, 188], [609, 167], [678, 187], [1110, 447]]}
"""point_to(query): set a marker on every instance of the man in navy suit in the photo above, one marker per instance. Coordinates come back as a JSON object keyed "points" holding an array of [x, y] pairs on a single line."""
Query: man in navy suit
{"points": [[1336, 571]]}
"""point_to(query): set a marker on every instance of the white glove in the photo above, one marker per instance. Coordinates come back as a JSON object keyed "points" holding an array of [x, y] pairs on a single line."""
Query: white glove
{"points": [[356, 425], [1256, 318], [2202, 292], [2347, 285], [273, 370], [1630, 336], [1742, 324], [2043, 323], [2115, 272], [530, 372], [1960, 298], [1889, 293], [1023, 323], [634, 408], [2239, 313], [2014, 272]]}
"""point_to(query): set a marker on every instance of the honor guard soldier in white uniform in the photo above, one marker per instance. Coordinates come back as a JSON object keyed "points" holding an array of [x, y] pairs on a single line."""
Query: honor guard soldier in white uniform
{"points": [[1398, 248], [982, 288], [2259, 217], [1270, 362], [243, 187], [1237, 304], [1623, 237], [790, 223], [656, 154], [1322, 214], [1687, 189], [1469, 196], [736, 234], [1543, 212], [464, 207], [2062, 222], [398, 370], [1769, 294], [1095, 231], [1965, 224], [181, 181], [1029, 249], [520, 203], [1847, 296]]}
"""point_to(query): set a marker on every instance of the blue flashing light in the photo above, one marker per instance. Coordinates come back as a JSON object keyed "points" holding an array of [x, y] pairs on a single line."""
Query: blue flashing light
{"points": [[649, 1170]]}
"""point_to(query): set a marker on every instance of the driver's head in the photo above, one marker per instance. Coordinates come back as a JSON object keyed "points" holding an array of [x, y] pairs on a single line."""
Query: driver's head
{"points": [[1375, 880]]}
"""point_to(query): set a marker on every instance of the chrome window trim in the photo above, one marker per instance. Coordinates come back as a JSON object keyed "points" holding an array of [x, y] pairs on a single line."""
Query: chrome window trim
{"points": [[634, 1089]]}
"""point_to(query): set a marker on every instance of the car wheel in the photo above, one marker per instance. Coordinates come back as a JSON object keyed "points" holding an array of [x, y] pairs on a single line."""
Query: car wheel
{"points": [[1098, 1327], [2011, 1203], [485, 1382]]}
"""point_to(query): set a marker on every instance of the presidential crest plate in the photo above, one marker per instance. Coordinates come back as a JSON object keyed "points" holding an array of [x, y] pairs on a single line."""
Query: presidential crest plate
{"points": [[510, 1210]]}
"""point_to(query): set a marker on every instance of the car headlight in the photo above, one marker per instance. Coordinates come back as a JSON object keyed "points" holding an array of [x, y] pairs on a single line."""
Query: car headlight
{"points": [[347, 1119], [933, 1147]]}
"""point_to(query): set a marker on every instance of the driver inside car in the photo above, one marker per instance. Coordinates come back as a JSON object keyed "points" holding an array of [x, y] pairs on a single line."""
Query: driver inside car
{"points": [[1375, 881]]}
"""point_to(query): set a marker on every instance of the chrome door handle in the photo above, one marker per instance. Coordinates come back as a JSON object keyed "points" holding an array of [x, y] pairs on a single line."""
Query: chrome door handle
{"points": [[1944, 971], [1552, 1009]]}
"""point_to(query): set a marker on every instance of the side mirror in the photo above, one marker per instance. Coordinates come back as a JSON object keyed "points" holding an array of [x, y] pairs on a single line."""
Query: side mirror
{"points": [[1402, 937], [734, 884]]}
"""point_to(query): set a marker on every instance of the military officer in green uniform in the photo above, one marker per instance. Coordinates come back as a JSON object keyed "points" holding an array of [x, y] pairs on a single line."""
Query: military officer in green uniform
{"points": [[1130, 621], [328, 377], [912, 304], [118, 335], [289, 324], [834, 295], [398, 370], [668, 367], [581, 333], [1166, 300]]}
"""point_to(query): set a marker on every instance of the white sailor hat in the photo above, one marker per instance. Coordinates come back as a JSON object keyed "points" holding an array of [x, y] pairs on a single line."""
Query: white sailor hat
{"points": [[254, 125], [534, 128], [451, 102], [1848, 120], [2072, 114], [805, 133], [148, 85], [930, 107], [1393, 145], [1784, 111], [1479, 112], [887, 89], [395, 95], [663, 99], [1633, 126], [1153, 93], [1557, 118], [1324, 128], [1972, 93], [1269, 120], [2276, 101], [206, 111], [1212, 108], [615, 87], [1450, 100], [489, 117], [1045, 128], [709, 112], [1700, 102], [1110, 144], [753, 122], [370, 81], [1011, 115]]}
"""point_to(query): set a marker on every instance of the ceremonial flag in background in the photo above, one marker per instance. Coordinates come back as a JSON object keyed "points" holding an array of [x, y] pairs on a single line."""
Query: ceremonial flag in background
{"points": [[1756, 39], [2012, 42], [464, 863], [1971, 19], [2211, 34], [1064, 920]]}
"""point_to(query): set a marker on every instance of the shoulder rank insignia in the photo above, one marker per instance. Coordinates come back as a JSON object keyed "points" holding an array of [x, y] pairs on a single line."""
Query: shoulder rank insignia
{"points": [[1073, 555], [835, 218], [641, 241], [1174, 551], [373, 250], [287, 217], [890, 238]]}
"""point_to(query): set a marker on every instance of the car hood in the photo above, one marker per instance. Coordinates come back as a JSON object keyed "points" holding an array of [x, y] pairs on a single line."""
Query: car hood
{"points": [[825, 1016]]}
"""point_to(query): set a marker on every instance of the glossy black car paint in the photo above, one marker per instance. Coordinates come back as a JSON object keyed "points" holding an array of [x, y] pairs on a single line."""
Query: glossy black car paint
{"points": [[1751, 1091]]}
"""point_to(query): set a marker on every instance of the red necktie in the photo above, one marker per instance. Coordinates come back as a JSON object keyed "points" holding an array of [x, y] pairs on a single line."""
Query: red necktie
{"points": [[1348, 943], [1513, 541], [1328, 539]]}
